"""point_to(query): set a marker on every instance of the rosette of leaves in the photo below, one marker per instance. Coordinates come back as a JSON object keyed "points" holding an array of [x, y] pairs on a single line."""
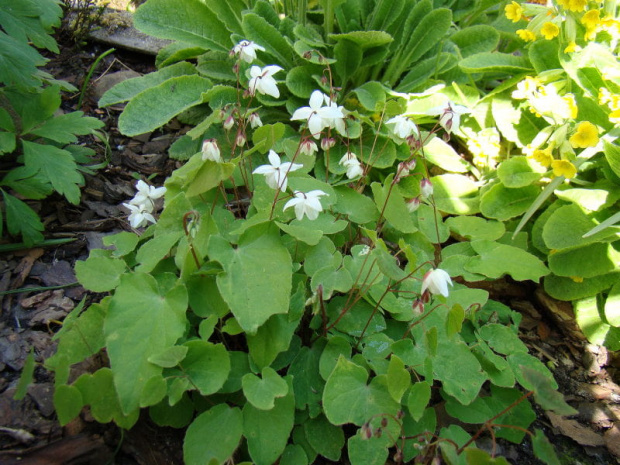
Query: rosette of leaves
{"points": [[38, 149]]}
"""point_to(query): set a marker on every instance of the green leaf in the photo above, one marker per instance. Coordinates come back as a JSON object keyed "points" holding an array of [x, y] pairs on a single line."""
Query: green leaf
{"points": [[502, 339], [567, 225], [55, 165], [418, 398], [495, 62], [348, 399], [178, 416], [336, 346], [19, 62], [456, 194], [301, 81], [260, 31], [67, 402], [188, 21], [543, 55], [128, 89], [64, 128], [307, 382], [208, 176], [612, 305], [294, 454], [100, 274], [502, 203], [364, 39], [476, 39], [31, 22], [261, 393], [155, 106], [206, 365], [481, 457], [371, 95], [496, 259], [454, 323], [257, 278], [443, 155], [476, 228], [427, 34], [267, 431], [124, 242], [543, 448], [586, 261], [348, 59], [612, 154], [367, 452], [21, 219], [267, 135], [462, 380], [392, 204], [223, 426], [26, 376], [398, 378], [517, 172], [142, 320], [545, 392], [170, 357], [325, 438], [595, 329]]}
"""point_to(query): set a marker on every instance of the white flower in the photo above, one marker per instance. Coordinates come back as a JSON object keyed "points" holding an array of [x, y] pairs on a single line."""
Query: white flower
{"points": [[327, 143], [413, 204], [426, 188], [336, 122], [403, 127], [210, 151], [262, 80], [352, 164], [449, 115], [318, 116], [139, 215], [255, 121], [147, 194], [229, 123], [436, 282], [306, 204], [308, 147], [276, 172], [247, 50]]}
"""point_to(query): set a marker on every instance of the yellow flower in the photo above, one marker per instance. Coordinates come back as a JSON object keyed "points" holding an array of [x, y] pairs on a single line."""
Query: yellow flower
{"points": [[526, 35], [577, 5], [614, 116], [571, 47], [550, 30], [586, 136], [514, 11], [563, 3], [563, 168], [591, 19], [543, 157]]}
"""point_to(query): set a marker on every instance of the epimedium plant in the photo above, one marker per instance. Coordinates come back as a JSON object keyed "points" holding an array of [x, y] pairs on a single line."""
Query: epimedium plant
{"points": [[292, 299], [38, 146]]}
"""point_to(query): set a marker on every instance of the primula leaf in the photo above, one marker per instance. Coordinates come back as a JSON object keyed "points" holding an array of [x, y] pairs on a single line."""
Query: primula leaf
{"points": [[141, 322], [260, 31], [257, 278], [267, 431], [155, 106], [495, 260], [223, 426], [189, 21], [495, 62], [57, 166], [476, 39]]}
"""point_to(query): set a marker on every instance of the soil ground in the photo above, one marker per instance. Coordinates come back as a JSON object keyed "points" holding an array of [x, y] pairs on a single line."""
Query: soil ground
{"points": [[29, 315]]}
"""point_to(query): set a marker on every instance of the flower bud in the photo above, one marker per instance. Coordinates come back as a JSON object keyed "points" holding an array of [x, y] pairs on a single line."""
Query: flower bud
{"points": [[308, 147], [327, 143], [229, 123], [255, 121], [210, 150], [398, 456], [241, 139], [366, 431], [384, 422], [426, 188], [413, 204]]}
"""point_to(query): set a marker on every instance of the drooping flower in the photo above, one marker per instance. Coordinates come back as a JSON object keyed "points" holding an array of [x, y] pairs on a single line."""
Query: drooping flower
{"points": [[403, 128], [246, 50], [572, 47], [514, 12], [563, 168], [276, 173], [586, 136], [352, 164], [449, 115], [544, 157], [436, 282], [308, 147], [146, 194], [240, 140], [426, 188], [139, 215], [229, 122], [526, 35], [211, 151], [317, 115], [550, 30], [255, 121], [306, 204], [262, 80], [413, 204], [327, 143]]}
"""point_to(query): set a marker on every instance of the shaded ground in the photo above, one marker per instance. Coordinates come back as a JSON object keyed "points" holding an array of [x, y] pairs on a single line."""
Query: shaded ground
{"points": [[29, 432]]}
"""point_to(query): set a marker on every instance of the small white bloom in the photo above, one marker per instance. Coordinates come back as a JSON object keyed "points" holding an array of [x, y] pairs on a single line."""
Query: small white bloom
{"points": [[403, 127], [334, 121], [426, 188], [308, 147], [352, 164], [210, 151], [147, 194], [413, 204], [276, 173], [139, 215], [246, 50], [255, 121], [436, 282], [229, 123], [262, 80], [318, 116], [327, 143], [306, 204], [449, 115], [240, 140]]}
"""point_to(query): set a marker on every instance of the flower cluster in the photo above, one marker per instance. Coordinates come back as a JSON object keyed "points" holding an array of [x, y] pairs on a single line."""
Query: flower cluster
{"points": [[321, 113], [142, 205]]}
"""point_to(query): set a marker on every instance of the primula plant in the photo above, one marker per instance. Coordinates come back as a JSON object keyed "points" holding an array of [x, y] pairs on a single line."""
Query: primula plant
{"points": [[297, 295], [38, 146]]}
